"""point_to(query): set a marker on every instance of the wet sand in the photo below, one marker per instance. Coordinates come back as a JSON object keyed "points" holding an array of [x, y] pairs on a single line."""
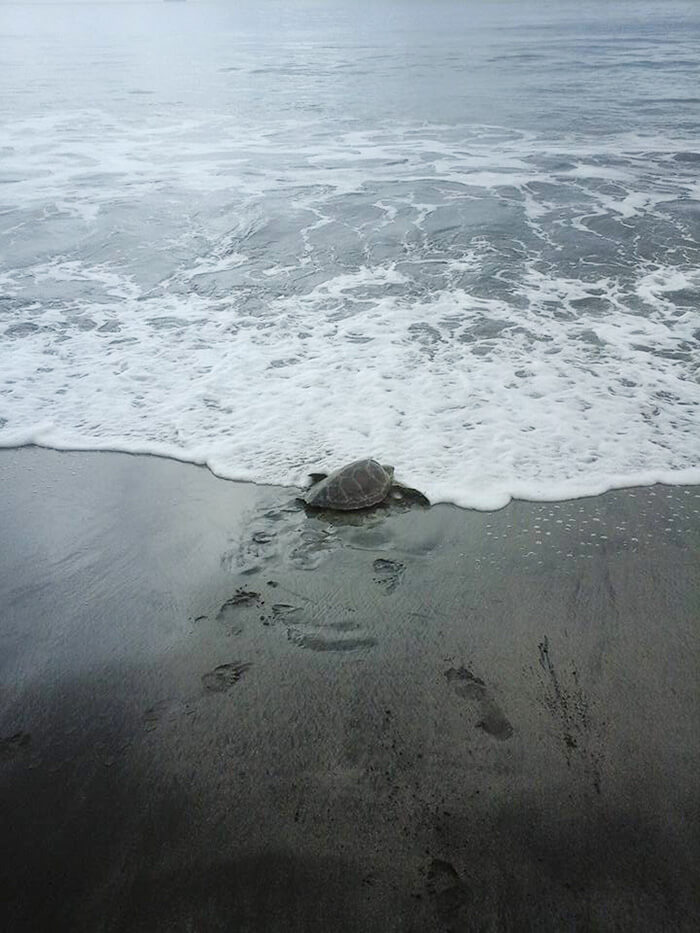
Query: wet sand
{"points": [[221, 714]]}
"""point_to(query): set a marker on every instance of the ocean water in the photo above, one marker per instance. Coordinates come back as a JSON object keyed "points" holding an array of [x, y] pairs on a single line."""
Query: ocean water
{"points": [[462, 237]]}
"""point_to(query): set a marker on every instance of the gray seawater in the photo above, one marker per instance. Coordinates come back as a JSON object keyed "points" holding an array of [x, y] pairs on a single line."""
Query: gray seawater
{"points": [[463, 236]]}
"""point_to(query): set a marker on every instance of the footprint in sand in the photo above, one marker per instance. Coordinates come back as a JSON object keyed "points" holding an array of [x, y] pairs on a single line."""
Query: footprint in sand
{"points": [[388, 573], [448, 893], [228, 613], [223, 677], [472, 688]]}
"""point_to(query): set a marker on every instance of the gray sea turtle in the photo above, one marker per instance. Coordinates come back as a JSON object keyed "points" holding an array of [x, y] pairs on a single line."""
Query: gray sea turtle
{"points": [[359, 485]]}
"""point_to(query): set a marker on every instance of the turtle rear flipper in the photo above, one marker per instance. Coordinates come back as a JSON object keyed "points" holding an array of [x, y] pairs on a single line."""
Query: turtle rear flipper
{"points": [[407, 494]]}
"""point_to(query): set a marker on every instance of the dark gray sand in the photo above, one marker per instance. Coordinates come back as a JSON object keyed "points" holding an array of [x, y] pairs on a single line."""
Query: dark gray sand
{"points": [[218, 713]]}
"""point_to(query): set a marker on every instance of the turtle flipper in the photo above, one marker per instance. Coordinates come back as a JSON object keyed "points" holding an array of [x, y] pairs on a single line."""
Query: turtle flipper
{"points": [[399, 491], [317, 477]]}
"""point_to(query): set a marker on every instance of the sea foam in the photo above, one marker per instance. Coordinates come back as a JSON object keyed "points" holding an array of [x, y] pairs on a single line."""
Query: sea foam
{"points": [[495, 313]]}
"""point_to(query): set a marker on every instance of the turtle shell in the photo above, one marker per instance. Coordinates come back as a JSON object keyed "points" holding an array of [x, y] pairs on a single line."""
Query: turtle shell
{"points": [[358, 485]]}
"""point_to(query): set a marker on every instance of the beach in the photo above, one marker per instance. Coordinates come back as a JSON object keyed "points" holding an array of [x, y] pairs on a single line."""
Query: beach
{"points": [[241, 242], [221, 713]]}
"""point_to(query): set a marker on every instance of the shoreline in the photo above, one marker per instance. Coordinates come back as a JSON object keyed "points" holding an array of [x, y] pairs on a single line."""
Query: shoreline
{"points": [[218, 710], [687, 477]]}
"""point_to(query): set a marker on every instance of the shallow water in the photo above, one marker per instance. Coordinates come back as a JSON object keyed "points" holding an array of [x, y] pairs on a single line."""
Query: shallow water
{"points": [[460, 237]]}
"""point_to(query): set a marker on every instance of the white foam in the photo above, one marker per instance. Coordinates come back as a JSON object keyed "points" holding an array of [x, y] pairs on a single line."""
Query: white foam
{"points": [[472, 358]]}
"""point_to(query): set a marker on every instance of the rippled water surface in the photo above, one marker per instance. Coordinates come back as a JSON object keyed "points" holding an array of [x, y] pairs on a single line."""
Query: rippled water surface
{"points": [[462, 237]]}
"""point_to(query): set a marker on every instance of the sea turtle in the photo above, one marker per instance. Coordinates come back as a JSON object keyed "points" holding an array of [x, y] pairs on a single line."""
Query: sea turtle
{"points": [[359, 485]]}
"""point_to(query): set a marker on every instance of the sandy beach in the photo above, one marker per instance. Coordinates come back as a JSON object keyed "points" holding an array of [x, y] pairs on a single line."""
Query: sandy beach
{"points": [[219, 713]]}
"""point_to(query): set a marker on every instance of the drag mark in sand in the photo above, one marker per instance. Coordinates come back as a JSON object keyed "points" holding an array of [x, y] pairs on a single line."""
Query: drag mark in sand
{"points": [[166, 710], [223, 677], [280, 611], [570, 705], [308, 628], [472, 688], [388, 573], [282, 535], [337, 636], [241, 597], [449, 894], [152, 716], [284, 610]]}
